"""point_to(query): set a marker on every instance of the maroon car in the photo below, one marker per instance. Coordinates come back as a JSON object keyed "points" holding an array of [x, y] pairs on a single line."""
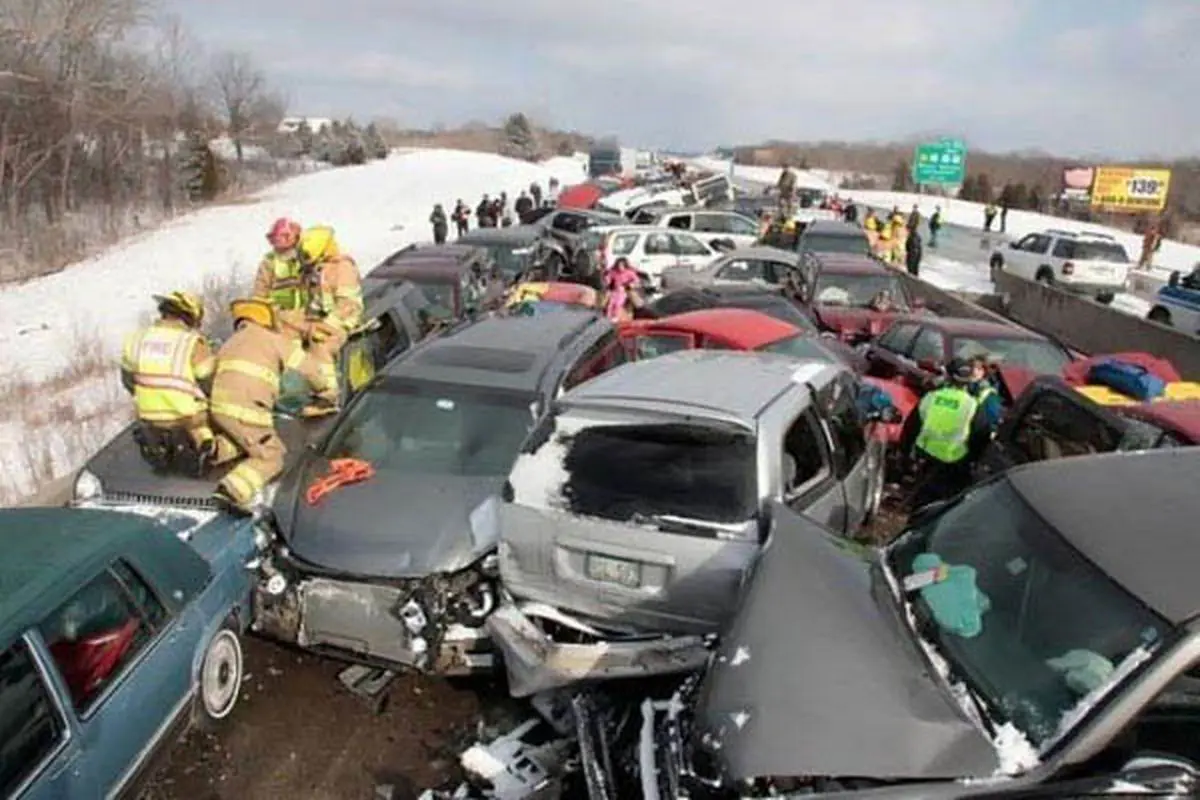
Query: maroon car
{"points": [[855, 296], [914, 350]]}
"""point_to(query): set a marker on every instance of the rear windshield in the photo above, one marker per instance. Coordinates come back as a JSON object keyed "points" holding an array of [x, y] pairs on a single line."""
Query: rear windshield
{"points": [[859, 290], [818, 243], [636, 473], [1091, 251], [800, 346], [510, 259]]}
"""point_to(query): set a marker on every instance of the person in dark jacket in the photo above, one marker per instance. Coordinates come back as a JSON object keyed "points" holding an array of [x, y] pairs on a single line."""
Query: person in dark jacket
{"points": [[851, 213], [535, 192], [523, 206], [461, 217], [441, 225], [1004, 215], [484, 213], [935, 225], [914, 218], [503, 210], [912, 252]]}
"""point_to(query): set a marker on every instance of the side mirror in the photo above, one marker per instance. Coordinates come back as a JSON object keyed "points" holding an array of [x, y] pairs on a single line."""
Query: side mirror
{"points": [[1012, 246], [1173, 281], [1161, 775]]}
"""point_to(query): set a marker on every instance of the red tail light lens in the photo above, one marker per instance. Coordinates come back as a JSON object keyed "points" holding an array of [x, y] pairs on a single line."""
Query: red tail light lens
{"points": [[1068, 268]]}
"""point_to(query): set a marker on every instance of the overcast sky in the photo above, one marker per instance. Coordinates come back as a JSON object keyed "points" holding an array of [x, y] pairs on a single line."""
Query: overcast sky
{"points": [[1080, 77]]}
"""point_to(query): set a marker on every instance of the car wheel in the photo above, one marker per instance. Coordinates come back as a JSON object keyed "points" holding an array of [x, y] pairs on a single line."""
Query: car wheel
{"points": [[220, 679], [1045, 277], [1105, 298], [1160, 315]]}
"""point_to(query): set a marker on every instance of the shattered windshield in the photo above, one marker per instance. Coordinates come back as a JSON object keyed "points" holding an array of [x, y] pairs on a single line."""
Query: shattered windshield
{"points": [[635, 472], [1040, 357], [858, 291], [1026, 623], [439, 296], [433, 428], [511, 260]]}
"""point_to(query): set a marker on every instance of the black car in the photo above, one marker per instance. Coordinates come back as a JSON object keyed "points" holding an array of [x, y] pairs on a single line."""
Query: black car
{"points": [[398, 570], [118, 475], [1038, 636]]}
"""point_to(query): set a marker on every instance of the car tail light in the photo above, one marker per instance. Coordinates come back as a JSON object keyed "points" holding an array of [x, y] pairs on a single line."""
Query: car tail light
{"points": [[1068, 268]]}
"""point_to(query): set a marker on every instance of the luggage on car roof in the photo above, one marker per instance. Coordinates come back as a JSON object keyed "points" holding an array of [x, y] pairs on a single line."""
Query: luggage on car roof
{"points": [[1132, 380]]}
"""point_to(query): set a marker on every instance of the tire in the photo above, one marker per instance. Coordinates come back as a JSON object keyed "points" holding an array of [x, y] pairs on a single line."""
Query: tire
{"points": [[220, 680], [1105, 298], [1045, 277], [1160, 315], [875, 487]]}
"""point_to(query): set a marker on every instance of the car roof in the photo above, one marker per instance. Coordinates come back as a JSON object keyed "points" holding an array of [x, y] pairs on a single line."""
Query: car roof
{"points": [[1180, 416], [513, 233], [499, 351], [765, 253], [848, 264], [726, 384], [969, 326], [424, 250], [749, 328], [421, 269], [1131, 514], [49, 552], [833, 227]]}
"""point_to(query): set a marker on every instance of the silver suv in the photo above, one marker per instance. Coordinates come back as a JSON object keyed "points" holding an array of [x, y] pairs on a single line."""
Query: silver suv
{"points": [[636, 509]]}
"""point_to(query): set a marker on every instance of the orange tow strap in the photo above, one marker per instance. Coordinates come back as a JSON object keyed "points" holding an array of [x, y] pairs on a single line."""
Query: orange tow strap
{"points": [[342, 472]]}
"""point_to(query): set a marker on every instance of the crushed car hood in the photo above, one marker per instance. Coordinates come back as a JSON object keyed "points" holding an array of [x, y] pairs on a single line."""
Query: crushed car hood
{"points": [[817, 677], [390, 526]]}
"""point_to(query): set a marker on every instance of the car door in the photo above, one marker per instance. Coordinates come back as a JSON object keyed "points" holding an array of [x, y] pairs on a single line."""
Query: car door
{"points": [[41, 753], [928, 358], [1050, 422], [125, 662], [366, 354], [1028, 255], [690, 252], [807, 482], [856, 462], [657, 254], [888, 356]]}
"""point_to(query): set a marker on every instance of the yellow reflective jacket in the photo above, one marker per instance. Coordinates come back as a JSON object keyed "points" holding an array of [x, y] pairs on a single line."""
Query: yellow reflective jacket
{"points": [[279, 282], [163, 366]]}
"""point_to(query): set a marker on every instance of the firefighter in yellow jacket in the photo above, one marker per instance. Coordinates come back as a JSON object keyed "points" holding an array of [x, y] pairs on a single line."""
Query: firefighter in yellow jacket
{"points": [[245, 389], [166, 367], [279, 280], [334, 297]]}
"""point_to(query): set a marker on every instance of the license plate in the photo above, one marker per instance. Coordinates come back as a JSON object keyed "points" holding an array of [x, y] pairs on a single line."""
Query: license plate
{"points": [[614, 570]]}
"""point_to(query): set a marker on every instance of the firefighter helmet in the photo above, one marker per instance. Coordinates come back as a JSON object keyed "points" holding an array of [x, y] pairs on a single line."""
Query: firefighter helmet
{"points": [[284, 233], [184, 305], [317, 244], [260, 312]]}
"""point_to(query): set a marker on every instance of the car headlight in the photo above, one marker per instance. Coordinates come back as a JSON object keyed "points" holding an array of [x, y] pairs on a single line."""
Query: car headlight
{"points": [[87, 486]]}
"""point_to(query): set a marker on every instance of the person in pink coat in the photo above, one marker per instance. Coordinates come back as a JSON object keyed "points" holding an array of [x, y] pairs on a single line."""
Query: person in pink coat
{"points": [[620, 282]]}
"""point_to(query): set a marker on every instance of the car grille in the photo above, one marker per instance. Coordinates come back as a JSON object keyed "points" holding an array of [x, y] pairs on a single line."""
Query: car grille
{"points": [[137, 498]]}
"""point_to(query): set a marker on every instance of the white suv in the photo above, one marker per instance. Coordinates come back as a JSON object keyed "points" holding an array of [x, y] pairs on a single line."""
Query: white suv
{"points": [[650, 250], [711, 226], [1088, 263]]}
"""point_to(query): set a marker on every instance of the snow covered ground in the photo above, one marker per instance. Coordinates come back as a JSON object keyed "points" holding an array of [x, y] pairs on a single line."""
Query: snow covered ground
{"points": [[375, 208], [812, 179]]}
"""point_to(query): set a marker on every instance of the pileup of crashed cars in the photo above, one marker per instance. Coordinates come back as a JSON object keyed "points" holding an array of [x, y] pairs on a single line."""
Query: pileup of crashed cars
{"points": [[652, 523]]}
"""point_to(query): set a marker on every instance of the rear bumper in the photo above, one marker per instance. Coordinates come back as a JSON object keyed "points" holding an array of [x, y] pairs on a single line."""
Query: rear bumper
{"points": [[536, 661], [1092, 287]]}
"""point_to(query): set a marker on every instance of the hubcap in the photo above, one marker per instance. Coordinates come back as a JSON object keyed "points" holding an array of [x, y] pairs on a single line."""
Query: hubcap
{"points": [[222, 675]]}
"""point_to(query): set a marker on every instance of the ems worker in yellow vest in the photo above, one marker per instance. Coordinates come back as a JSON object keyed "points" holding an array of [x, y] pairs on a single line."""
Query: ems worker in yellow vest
{"points": [[165, 367], [245, 389], [948, 433], [334, 302], [279, 280]]}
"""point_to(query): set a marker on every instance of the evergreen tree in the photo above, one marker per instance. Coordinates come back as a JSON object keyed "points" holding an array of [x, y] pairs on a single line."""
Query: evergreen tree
{"points": [[374, 142], [201, 172], [520, 141], [969, 189], [902, 177], [983, 188], [304, 137]]}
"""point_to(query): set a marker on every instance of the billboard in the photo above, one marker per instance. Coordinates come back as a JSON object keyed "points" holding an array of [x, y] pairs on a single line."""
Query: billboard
{"points": [[1133, 190], [1077, 181]]}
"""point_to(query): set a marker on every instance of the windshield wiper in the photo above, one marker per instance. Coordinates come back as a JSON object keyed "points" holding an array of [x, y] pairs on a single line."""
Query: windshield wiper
{"points": [[671, 523]]}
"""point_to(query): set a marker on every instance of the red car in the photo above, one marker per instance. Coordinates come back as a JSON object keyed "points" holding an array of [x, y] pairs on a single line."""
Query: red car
{"points": [[580, 196], [846, 293], [743, 329]]}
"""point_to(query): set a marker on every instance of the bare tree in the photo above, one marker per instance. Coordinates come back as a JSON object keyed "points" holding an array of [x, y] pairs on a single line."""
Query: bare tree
{"points": [[240, 85]]}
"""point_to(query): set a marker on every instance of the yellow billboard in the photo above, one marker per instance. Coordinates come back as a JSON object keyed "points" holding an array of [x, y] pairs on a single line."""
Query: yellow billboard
{"points": [[1130, 189]]}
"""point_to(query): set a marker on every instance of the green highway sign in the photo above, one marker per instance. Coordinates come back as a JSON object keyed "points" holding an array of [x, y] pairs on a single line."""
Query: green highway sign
{"points": [[940, 163]]}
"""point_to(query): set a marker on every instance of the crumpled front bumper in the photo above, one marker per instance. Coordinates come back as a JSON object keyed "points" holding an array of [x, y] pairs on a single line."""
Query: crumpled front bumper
{"points": [[537, 662]]}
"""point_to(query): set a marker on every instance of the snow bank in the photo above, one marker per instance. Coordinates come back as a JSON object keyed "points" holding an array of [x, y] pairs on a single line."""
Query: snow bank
{"points": [[375, 208], [1172, 256]]}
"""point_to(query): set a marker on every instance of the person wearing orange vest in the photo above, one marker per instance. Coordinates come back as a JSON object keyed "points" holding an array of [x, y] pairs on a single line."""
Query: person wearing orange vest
{"points": [[165, 366], [334, 299], [245, 390], [279, 280]]}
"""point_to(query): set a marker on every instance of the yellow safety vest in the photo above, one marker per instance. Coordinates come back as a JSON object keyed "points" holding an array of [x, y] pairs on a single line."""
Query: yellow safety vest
{"points": [[159, 360], [287, 284], [946, 416]]}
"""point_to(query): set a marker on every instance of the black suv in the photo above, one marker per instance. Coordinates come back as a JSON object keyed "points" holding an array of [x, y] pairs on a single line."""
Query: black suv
{"points": [[398, 570]]}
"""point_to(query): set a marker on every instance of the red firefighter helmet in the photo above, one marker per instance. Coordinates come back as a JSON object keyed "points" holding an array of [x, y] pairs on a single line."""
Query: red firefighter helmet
{"points": [[284, 234]]}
